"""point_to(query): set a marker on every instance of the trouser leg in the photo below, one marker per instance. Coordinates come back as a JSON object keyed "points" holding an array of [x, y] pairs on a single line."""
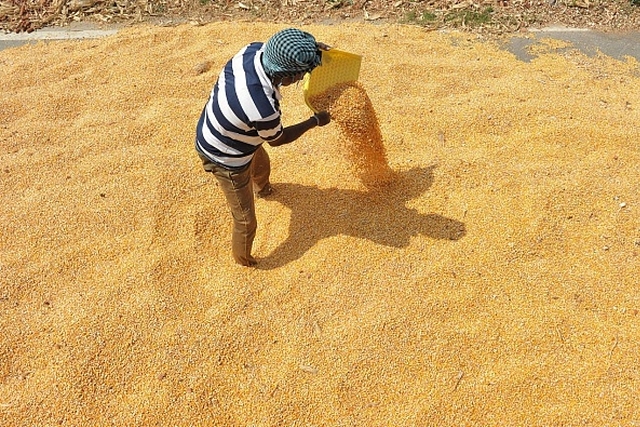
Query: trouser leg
{"points": [[236, 187], [260, 169]]}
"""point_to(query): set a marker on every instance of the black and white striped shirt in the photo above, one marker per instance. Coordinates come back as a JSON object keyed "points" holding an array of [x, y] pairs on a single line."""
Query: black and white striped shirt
{"points": [[243, 111]]}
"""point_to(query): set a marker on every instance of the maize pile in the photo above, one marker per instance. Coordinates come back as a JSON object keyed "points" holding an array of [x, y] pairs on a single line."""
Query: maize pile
{"points": [[351, 108], [120, 303]]}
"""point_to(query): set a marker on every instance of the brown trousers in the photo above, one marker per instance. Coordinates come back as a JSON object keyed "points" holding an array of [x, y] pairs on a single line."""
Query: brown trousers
{"points": [[238, 187]]}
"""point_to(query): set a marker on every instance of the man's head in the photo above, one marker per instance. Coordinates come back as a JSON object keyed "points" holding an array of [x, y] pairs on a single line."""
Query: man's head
{"points": [[289, 55]]}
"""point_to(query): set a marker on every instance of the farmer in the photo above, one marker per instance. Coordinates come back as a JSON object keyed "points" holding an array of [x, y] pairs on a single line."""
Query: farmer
{"points": [[243, 112]]}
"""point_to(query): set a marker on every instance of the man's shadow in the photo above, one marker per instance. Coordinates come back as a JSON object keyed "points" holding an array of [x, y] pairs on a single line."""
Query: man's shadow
{"points": [[379, 215]]}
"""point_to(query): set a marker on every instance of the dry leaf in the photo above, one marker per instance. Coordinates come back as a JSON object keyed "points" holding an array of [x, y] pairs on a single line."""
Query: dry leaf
{"points": [[308, 369]]}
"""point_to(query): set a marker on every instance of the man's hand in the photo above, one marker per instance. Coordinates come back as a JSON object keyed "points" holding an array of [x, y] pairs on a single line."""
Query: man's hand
{"points": [[324, 118], [323, 46]]}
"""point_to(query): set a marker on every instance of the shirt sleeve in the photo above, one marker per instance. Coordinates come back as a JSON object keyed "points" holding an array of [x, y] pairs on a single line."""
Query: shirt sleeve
{"points": [[269, 130]]}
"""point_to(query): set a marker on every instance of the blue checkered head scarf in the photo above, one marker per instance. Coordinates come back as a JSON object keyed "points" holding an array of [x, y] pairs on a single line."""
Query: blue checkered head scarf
{"points": [[290, 52]]}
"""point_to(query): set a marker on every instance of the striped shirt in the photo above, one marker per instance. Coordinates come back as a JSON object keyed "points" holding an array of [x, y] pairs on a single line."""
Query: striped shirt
{"points": [[242, 112]]}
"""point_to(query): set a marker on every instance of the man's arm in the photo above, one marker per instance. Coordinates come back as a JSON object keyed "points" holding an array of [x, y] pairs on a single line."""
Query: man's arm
{"points": [[293, 132]]}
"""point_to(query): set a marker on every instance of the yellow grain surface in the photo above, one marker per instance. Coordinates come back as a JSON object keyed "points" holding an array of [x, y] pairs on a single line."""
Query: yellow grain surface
{"points": [[493, 283]]}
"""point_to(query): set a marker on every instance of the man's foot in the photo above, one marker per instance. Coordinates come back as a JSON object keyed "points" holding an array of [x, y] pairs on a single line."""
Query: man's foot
{"points": [[251, 262], [266, 191]]}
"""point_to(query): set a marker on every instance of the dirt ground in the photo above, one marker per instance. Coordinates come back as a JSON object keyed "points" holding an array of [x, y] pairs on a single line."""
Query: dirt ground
{"points": [[493, 283], [480, 16]]}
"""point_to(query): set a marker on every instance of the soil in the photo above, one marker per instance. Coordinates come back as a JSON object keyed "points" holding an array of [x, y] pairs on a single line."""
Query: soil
{"points": [[488, 16]]}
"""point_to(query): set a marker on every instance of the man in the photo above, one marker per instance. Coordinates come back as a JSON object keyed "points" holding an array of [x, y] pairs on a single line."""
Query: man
{"points": [[242, 113]]}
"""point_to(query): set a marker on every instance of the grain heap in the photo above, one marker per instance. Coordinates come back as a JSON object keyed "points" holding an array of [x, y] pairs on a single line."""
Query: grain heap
{"points": [[120, 305], [351, 108]]}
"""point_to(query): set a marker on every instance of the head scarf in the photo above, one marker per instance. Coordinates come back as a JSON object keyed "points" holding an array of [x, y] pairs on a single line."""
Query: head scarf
{"points": [[290, 52]]}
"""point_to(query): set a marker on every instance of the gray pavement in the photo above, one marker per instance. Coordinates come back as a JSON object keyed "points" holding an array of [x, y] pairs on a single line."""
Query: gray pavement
{"points": [[77, 30], [616, 45]]}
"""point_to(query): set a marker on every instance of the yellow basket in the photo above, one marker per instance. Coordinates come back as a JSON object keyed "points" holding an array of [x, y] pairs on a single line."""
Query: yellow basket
{"points": [[337, 67]]}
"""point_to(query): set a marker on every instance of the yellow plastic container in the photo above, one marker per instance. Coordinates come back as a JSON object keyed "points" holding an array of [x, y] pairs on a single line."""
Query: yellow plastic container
{"points": [[337, 67]]}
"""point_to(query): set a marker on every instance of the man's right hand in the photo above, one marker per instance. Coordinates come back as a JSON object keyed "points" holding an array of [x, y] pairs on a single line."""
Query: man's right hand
{"points": [[323, 118]]}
